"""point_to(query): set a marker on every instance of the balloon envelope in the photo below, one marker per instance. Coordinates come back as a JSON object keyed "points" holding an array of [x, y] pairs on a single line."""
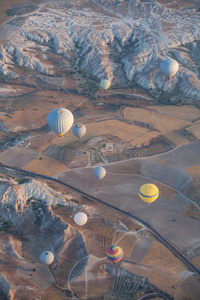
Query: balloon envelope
{"points": [[60, 120], [80, 218], [105, 84], [79, 130], [148, 192], [169, 67], [46, 257], [99, 172], [114, 253]]}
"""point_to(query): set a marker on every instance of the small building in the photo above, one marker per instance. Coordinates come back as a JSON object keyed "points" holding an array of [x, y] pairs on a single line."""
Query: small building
{"points": [[109, 147]]}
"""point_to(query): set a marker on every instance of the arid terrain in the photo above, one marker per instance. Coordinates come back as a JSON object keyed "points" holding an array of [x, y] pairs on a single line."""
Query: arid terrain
{"points": [[144, 128]]}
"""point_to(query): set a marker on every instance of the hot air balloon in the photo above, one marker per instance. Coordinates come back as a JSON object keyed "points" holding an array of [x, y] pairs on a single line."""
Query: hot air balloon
{"points": [[99, 172], [46, 257], [114, 253], [169, 67], [105, 84], [79, 130], [149, 192], [80, 218], [60, 120]]}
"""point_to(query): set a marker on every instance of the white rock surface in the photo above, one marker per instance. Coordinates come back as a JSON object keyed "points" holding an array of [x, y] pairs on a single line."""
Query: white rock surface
{"points": [[17, 195]]}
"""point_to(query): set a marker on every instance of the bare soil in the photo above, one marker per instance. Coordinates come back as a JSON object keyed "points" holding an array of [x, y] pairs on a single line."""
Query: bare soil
{"points": [[46, 166], [193, 171], [194, 129], [192, 211], [196, 261], [184, 290], [18, 156]]}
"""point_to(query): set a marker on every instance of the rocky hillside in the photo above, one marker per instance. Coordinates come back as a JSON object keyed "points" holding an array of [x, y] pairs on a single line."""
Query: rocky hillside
{"points": [[29, 226]]}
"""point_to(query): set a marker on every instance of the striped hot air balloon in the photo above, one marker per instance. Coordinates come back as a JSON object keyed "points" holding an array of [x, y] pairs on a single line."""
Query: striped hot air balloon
{"points": [[148, 192], [60, 120], [114, 253]]}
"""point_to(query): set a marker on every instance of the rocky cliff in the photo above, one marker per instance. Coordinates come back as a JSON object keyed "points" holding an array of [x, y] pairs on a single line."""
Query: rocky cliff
{"points": [[103, 36]]}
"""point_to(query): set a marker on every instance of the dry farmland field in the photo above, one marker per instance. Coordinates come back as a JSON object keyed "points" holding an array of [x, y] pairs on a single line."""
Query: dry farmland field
{"points": [[121, 189], [11, 8], [194, 129], [160, 121], [45, 165]]}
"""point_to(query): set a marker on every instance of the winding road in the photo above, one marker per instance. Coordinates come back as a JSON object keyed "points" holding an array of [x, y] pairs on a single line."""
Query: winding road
{"points": [[157, 235]]}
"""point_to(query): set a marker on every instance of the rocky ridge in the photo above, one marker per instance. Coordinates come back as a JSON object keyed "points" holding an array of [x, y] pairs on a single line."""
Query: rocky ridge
{"points": [[6, 288], [101, 37], [17, 195]]}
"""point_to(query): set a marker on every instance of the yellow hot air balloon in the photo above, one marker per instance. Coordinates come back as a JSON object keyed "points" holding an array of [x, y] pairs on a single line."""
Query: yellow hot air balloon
{"points": [[105, 84], [148, 192]]}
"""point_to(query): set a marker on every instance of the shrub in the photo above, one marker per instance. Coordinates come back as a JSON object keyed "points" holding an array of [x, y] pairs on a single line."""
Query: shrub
{"points": [[23, 180]]}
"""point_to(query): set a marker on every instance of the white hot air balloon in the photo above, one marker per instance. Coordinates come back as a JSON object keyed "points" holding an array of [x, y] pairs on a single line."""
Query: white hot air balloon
{"points": [[60, 120], [80, 218], [105, 84], [169, 67], [46, 257], [79, 130], [99, 172]]}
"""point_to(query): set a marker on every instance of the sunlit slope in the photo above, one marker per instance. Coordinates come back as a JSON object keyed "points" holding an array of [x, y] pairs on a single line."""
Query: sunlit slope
{"points": [[122, 42]]}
